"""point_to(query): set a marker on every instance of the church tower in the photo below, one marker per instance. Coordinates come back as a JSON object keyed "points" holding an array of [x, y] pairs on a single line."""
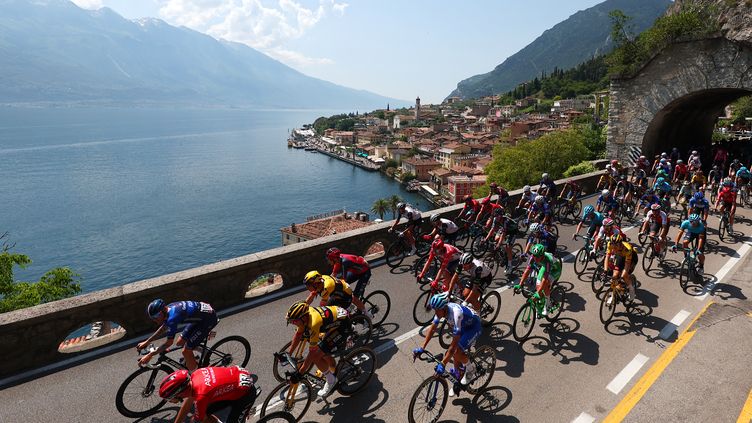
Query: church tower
{"points": [[417, 108]]}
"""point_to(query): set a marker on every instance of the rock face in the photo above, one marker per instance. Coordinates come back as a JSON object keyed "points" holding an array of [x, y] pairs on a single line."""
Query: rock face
{"points": [[675, 99]]}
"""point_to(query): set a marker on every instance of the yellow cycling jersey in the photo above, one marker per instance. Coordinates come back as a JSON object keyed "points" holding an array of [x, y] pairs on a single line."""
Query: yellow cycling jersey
{"points": [[320, 318], [334, 285], [627, 251], [699, 179]]}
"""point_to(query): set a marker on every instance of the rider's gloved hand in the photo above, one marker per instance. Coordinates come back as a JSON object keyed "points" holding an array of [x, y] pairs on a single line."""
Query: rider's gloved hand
{"points": [[574, 237], [440, 369], [296, 377], [417, 351], [673, 248], [427, 237], [390, 230]]}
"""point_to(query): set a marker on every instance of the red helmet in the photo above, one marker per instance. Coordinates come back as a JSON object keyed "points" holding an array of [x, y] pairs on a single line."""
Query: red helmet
{"points": [[333, 253], [485, 201], [437, 243], [468, 199], [174, 384], [493, 185]]}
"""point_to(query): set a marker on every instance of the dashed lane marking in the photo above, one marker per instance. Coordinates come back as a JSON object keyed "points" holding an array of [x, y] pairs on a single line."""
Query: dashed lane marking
{"points": [[627, 373], [584, 418], [723, 271], [673, 325]]}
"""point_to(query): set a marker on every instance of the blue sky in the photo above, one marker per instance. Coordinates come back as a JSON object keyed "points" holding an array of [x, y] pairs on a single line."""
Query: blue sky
{"points": [[400, 49]]}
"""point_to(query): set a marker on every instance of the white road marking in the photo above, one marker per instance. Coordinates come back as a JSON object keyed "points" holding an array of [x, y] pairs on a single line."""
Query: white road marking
{"points": [[584, 418], [627, 373], [723, 271], [673, 325]]}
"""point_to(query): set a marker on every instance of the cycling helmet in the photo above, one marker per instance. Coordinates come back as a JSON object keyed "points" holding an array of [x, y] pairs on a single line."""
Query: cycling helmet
{"points": [[485, 201], [655, 207], [526, 188], [492, 185], [694, 152], [175, 383], [680, 161], [727, 182], [297, 311], [439, 300], [539, 199], [685, 183], [544, 176], [715, 167], [614, 162], [736, 161], [663, 161], [538, 250], [616, 239], [534, 227], [312, 277], [435, 218], [401, 206], [664, 155], [468, 199], [466, 259], [498, 211], [155, 307], [437, 243], [660, 180], [643, 158], [608, 222], [605, 192], [333, 253], [699, 196], [694, 217], [588, 209], [743, 168]]}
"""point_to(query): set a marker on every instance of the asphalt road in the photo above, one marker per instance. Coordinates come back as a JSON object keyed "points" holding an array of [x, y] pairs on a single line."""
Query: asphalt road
{"points": [[575, 370]]}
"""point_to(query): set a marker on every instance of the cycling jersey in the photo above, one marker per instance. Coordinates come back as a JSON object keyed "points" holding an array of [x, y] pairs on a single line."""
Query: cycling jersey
{"points": [[664, 187], [659, 217], [614, 230], [334, 287], [199, 317], [608, 202], [460, 317], [211, 385], [448, 227], [727, 195], [699, 205], [448, 254], [470, 209], [321, 318], [685, 193], [627, 251], [477, 270], [681, 170], [699, 179], [411, 214], [490, 207], [687, 227], [694, 162], [540, 208], [529, 197], [548, 268], [546, 238], [350, 264], [649, 199], [715, 176], [550, 185], [595, 221]]}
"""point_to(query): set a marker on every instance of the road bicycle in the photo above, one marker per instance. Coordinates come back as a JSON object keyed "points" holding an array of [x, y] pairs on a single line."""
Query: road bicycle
{"points": [[584, 256], [689, 270], [377, 302], [296, 393], [571, 207], [430, 398], [498, 259], [422, 311], [723, 226], [400, 249], [611, 295], [469, 230], [356, 335], [532, 309], [138, 395], [649, 256]]}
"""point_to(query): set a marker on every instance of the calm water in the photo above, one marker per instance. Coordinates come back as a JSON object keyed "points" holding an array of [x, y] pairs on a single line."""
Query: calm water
{"points": [[123, 195]]}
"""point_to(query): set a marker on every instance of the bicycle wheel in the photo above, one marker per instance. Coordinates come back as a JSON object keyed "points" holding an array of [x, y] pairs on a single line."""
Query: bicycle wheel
{"points": [[484, 359], [575, 210], [395, 254], [379, 304], [490, 305], [445, 334], [606, 312], [431, 272], [233, 350], [556, 303], [361, 327], [553, 229], [581, 261], [647, 258], [355, 370], [422, 313], [598, 280], [277, 417], [722, 228], [428, 401], [294, 399], [642, 238], [479, 246], [280, 367], [422, 247], [493, 263], [524, 321], [684, 274], [138, 396]]}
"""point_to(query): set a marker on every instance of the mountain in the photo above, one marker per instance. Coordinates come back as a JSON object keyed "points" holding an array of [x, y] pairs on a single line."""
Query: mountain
{"points": [[583, 35], [54, 51]]}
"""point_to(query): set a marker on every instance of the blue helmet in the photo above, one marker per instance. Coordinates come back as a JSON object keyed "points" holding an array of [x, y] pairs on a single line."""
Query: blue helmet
{"points": [[439, 300], [588, 209], [699, 196], [155, 307], [694, 217], [660, 180], [743, 168]]}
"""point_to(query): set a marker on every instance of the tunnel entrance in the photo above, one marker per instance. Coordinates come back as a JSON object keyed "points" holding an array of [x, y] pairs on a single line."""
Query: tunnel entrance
{"points": [[688, 122]]}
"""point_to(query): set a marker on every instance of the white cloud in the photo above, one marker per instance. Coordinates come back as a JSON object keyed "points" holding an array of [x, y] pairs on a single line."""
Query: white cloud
{"points": [[88, 4], [260, 24]]}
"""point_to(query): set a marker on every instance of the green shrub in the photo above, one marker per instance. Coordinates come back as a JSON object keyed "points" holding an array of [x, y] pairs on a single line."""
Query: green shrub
{"points": [[579, 169]]}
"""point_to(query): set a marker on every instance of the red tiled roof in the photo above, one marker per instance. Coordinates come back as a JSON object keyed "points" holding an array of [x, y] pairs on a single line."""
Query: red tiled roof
{"points": [[324, 227]]}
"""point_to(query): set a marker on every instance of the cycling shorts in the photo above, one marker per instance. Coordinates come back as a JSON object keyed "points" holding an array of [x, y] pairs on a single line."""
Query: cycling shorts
{"points": [[620, 261], [452, 265], [448, 238], [360, 282], [239, 408], [340, 299], [479, 283], [691, 237], [470, 334], [334, 338], [195, 332]]}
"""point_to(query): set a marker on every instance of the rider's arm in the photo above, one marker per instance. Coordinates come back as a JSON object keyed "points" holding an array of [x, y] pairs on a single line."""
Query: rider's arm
{"points": [[158, 334], [296, 340], [453, 280], [423, 271], [184, 409], [429, 335], [310, 297]]}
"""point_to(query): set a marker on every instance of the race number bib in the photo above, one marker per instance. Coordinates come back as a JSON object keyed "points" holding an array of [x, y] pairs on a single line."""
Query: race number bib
{"points": [[206, 308]]}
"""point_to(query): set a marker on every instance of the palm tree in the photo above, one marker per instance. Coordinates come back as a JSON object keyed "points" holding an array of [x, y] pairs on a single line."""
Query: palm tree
{"points": [[380, 207], [393, 201]]}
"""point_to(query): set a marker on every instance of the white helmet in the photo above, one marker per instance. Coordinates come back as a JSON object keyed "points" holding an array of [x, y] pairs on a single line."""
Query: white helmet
{"points": [[526, 188], [544, 176], [534, 227], [539, 199], [605, 192]]}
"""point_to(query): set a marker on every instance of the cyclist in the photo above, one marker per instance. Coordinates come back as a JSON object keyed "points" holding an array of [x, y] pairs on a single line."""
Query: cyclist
{"points": [[466, 327], [647, 200], [622, 259], [539, 235], [658, 223], [607, 203], [507, 232], [727, 200], [480, 279], [643, 164], [684, 195], [699, 181], [640, 178], [200, 319], [449, 256], [693, 229], [569, 190], [715, 176], [470, 209], [413, 217], [547, 187], [595, 221], [699, 205], [333, 292], [627, 188], [540, 211], [549, 272], [486, 207], [734, 167], [311, 323], [681, 171], [353, 269], [719, 160], [675, 155], [743, 177], [661, 187], [501, 194], [663, 166], [209, 390], [527, 198], [444, 228], [694, 161], [608, 228]]}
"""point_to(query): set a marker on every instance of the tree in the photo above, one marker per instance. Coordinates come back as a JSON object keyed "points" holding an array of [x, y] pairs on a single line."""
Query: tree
{"points": [[380, 207], [393, 201], [56, 284], [742, 110]]}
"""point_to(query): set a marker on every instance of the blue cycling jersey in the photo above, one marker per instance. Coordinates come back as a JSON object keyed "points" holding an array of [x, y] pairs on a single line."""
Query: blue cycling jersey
{"points": [[546, 238], [650, 199], [695, 204], [597, 219], [185, 312], [461, 318], [743, 174], [609, 201], [665, 187], [687, 227]]}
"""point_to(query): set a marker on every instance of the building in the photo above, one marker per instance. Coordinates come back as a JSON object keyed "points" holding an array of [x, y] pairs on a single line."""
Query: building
{"points": [[447, 153], [420, 167], [343, 137], [331, 223], [417, 108], [579, 104], [459, 186]]}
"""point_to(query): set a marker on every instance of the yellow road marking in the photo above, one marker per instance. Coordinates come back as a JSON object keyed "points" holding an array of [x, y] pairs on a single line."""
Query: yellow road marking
{"points": [[746, 414], [646, 381]]}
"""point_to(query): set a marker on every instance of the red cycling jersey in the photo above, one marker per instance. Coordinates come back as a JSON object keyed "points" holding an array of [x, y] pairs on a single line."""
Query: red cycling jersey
{"points": [[727, 195], [215, 384], [474, 206], [681, 169], [350, 263], [490, 207], [447, 253]]}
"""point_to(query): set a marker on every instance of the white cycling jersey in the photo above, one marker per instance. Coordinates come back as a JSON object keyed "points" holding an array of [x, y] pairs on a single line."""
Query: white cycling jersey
{"points": [[448, 226]]}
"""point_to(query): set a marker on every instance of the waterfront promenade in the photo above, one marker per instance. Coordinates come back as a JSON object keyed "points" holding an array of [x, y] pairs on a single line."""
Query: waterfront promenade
{"points": [[576, 370]]}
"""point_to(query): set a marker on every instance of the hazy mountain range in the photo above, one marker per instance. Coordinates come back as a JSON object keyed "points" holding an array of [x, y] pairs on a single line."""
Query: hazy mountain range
{"points": [[565, 45], [54, 51]]}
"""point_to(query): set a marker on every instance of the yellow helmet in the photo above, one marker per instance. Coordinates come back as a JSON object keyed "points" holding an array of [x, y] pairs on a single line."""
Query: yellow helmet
{"points": [[297, 311], [312, 277]]}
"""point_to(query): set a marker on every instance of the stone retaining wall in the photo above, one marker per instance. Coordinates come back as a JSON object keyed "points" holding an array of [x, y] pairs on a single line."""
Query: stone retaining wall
{"points": [[31, 336]]}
